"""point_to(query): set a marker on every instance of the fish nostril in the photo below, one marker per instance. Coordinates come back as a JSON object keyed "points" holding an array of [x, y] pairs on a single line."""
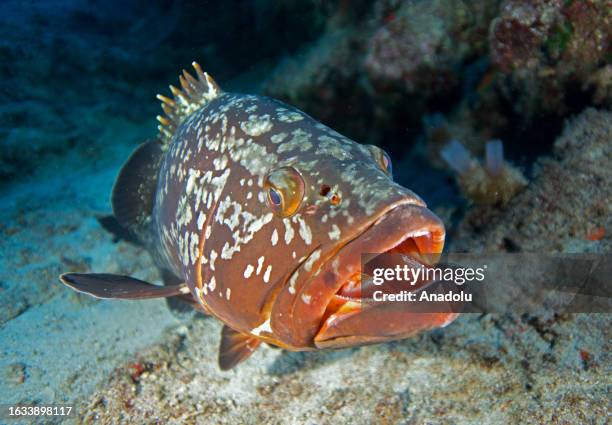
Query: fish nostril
{"points": [[333, 198]]}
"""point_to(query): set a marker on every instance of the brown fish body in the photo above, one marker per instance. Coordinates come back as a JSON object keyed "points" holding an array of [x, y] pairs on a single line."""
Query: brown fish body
{"points": [[265, 212]]}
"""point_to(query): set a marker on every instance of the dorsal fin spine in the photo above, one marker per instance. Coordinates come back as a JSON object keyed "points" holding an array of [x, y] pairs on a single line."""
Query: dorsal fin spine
{"points": [[195, 93]]}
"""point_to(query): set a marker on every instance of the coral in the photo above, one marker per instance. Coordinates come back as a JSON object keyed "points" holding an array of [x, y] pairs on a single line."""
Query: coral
{"points": [[324, 79], [421, 44], [601, 82], [494, 69], [517, 35], [585, 34], [497, 182], [549, 50], [567, 206], [535, 34], [407, 49], [373, 76]]}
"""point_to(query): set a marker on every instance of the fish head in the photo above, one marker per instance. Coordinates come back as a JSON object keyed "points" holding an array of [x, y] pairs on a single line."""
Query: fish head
{"points": [[343, 203], [299, 208]]}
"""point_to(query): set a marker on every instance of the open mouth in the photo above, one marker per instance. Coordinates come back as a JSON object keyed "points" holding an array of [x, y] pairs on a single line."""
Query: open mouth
{"points": [[418, 237], [420, 250]]}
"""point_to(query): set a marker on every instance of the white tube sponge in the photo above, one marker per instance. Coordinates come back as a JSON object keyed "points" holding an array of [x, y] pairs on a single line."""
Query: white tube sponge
{"points": [[494, 157], [457, 157]]}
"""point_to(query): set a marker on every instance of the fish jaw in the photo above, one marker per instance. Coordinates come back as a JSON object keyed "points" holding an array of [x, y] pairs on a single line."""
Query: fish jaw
{"points": [[342, 318], [357, 324]]}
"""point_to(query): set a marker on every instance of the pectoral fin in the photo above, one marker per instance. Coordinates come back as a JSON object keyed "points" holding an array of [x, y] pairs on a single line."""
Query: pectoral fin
{"points": [[133, 194], [235, 347], [102, 285]]}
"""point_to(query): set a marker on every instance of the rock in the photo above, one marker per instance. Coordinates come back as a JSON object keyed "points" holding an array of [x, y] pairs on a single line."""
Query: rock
{"points": [[569, 196], [15, 373]]}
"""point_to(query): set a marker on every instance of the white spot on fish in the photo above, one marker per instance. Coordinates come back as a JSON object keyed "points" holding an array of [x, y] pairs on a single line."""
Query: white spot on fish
{"points": [[335, 233], [201, 220], [305, 232], [292, 283], [311, 260], [248, 271], [193, 175], [250, 227], [228, 293], [289, 232], [256, 126], [335, 264], [277, 138], [290, 116], [306, 298], [259, 264], [266, 276], [213, 257], [193, 248], [274, 239], [183, 215], [220, 162]]}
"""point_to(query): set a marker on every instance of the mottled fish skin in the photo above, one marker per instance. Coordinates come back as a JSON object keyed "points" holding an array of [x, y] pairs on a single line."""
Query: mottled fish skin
{"points": [[259, 215], [213, 225]]}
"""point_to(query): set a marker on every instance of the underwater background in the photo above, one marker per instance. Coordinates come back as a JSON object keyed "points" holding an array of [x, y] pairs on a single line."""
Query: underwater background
{"points": [[435, 83]]}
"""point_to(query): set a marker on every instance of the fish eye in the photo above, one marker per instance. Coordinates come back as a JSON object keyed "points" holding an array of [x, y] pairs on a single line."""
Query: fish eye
{"points": [[274, 197], [388, 167], [383, 159], [285, 188]]}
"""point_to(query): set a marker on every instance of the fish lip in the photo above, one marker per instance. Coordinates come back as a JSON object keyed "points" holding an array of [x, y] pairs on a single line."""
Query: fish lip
{"points": [[384, 214], [404, 236], [307, 320], [431, 228]]}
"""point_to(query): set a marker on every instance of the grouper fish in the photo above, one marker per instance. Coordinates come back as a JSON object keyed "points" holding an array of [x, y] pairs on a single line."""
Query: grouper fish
{"points": [[261, 214]]}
